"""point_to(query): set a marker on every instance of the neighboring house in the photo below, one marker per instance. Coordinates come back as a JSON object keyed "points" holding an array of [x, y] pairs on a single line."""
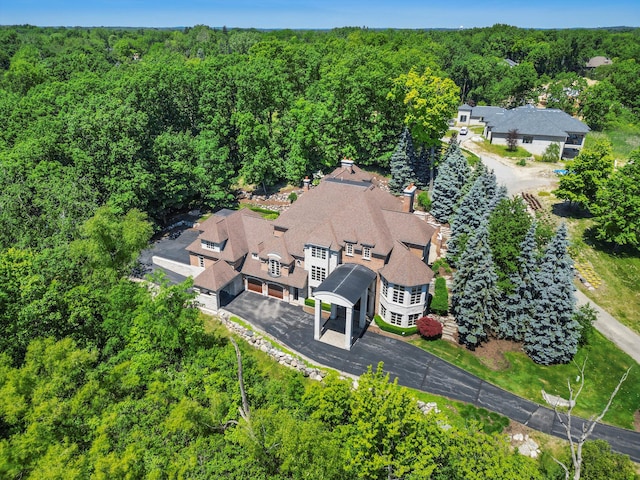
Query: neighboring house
{"points": [[595, 62], [345, 242], [537, 127], [510, 62]]}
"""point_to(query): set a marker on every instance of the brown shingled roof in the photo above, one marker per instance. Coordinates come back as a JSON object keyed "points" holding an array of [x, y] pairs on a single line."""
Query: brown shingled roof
{"points": [[408, 228], [297, 278], [405, 268], [216, 276]]}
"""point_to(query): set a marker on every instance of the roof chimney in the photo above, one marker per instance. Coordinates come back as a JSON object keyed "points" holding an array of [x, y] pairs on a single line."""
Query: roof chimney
{"points": [[306, 183], [408, 194], [347, 164]]}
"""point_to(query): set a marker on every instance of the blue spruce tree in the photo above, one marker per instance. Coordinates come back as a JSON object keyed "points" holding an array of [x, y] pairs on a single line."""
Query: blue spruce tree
{"points": [[553, 334], [471, 213], [402, 164], [520, 305], [475, 295], [453, 173]]}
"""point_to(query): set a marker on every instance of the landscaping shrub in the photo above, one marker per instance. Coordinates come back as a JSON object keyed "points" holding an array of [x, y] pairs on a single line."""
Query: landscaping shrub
{"points": [[489, 422], [293, 196], [429, 327], [310, 302], [440, 301], [441, 263], [424, 201], [387, 327], [551, 153]]}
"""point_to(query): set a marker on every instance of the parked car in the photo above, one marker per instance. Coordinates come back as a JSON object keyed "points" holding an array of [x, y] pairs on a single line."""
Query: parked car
{"points": [[464, 131]]}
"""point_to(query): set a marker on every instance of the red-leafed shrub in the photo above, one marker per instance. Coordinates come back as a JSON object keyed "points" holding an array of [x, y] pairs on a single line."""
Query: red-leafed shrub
{"points": [[429, 327]]}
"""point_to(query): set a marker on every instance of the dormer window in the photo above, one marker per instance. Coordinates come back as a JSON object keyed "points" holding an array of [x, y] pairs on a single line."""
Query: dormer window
{"points": [[366, 252], [348, 249], [274, 267], [207, 245]]}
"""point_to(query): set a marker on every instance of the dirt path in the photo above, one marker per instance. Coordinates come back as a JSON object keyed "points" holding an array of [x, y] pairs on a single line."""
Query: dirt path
{"points": [[532, 177]]}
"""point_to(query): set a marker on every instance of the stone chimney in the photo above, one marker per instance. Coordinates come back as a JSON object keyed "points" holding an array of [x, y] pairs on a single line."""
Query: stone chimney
{"points": [[306, 183], [408, 194], [347, 164]]}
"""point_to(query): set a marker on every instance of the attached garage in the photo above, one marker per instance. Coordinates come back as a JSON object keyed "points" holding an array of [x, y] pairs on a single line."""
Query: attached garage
{"points": [[276, 291], [254, 285]]}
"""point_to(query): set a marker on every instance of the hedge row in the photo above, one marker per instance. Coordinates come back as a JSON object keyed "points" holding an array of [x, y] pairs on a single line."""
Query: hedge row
{"points": [[310, 302], [387, 327]]}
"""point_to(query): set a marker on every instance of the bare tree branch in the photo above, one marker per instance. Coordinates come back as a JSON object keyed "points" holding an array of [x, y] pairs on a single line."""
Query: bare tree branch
{"points": [[244, 410], [575, 444]]}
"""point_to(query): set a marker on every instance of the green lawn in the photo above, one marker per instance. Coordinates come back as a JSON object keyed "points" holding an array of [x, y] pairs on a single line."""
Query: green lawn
{"points": [[624, 139], [619, 290], [605, 365], [502, 151]]}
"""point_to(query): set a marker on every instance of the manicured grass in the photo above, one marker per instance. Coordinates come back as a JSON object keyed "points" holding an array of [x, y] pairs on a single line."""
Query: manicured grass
{"points": [[502, 151], [624, 139], [472, 158], [605, 366], [619, 290], [266, 214]]}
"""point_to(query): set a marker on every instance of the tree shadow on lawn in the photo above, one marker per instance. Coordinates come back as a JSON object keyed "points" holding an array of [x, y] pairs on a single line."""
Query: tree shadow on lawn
{"points": [[570, 210], [620, 251]]}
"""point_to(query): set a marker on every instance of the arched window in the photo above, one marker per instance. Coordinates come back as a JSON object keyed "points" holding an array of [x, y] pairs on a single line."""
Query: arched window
{"points": [[274, 267]]}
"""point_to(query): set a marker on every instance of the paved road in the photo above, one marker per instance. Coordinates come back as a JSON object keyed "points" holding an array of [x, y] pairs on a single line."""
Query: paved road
{"points": [[413, 367]]}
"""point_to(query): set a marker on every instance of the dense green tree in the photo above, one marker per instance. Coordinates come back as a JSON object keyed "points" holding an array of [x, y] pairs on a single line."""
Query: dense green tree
{"points": [[617, 205], [587, 174], [509, 222], [110, 243]]}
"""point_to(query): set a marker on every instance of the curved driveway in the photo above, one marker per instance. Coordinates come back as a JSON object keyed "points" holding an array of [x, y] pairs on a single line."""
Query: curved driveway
{"points": [[413, 367]]}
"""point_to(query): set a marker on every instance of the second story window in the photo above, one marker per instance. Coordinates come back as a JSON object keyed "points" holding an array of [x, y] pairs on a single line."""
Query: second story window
{"points": [[274, 267], [318, 252], [416, 294], [385, 288], [318, 273], [398, 294], [366, 253]]}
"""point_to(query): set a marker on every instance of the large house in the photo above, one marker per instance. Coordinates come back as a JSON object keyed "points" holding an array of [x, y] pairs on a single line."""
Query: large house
{"points": [[537, 128], [345, 242]]}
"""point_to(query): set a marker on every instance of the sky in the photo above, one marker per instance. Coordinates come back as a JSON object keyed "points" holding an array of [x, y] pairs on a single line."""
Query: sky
{"points": [[318, 14]]}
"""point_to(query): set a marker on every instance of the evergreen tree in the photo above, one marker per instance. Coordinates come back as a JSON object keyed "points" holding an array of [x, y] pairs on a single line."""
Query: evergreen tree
{"points": [[452, 175], [471, 213], [501, 194], [402, 164], [421, 167], [475, 297], [554, 332], [519, 305]]}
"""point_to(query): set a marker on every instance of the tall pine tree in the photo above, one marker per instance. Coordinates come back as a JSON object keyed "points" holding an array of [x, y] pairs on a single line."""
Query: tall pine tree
{"points": [[553, 334], [520, 305], [453, 173], [475, 296], [402, 164]]}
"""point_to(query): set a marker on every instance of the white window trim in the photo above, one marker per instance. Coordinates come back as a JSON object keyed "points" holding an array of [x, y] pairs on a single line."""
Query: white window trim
{"points": [[395, 318], [318, 274], [366, 252], [318, 252], [415, 295], [348, 249], [398, 294], [274, 267], [200, 261]]}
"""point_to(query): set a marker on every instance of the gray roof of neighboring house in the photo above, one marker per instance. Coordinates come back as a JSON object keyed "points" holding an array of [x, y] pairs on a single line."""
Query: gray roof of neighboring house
{"points": [[529, 120], [510, 62], [465, 108], [486, 112], [598, 61]]}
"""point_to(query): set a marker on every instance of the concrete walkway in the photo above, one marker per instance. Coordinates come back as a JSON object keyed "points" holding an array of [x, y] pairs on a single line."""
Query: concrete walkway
{"points": [[413, 367]]}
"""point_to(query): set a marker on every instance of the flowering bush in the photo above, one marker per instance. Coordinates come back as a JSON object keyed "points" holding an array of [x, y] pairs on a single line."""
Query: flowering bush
{"points": [[429, 327]]}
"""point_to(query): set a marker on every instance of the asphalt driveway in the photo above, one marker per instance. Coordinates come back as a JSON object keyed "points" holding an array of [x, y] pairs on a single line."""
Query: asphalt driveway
{"points": [[413, 367]]}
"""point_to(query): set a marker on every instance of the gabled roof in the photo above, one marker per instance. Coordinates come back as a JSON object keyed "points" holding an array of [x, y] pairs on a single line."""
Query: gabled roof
{"points": [[408, 228], [277, 246], [405, 268], [239, 231], [465, 108], [529, 120], [352, 173], [297, 278], [216, 276], [336, 212]]}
